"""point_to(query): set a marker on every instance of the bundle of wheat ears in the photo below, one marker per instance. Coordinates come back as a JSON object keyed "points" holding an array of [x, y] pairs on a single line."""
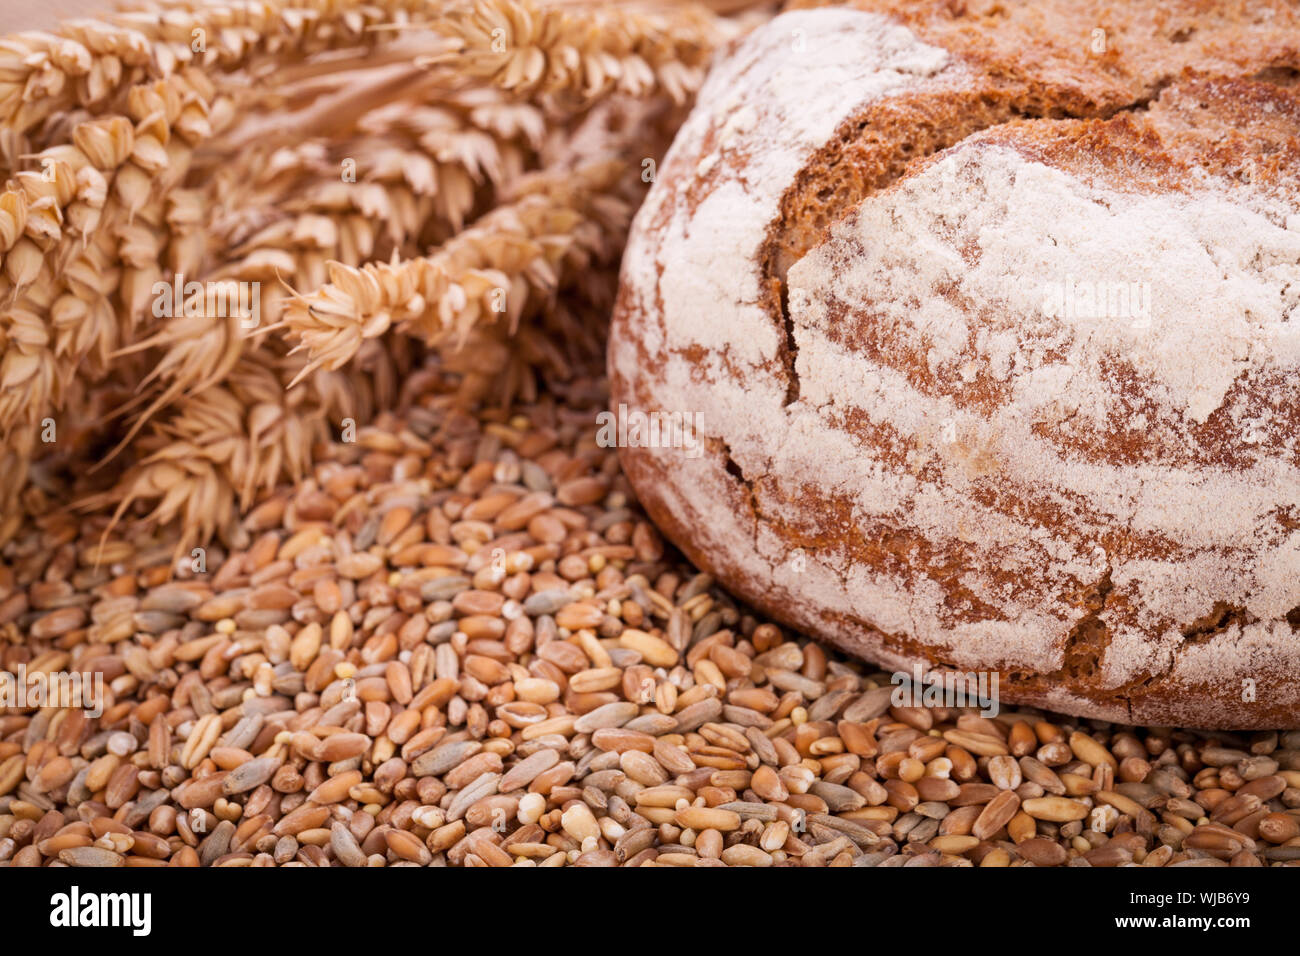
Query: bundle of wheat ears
{"points": [[229, 229]]}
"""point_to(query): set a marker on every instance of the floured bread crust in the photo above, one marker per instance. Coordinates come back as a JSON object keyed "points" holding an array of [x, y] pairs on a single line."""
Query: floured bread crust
{"points": [[917, 444]]}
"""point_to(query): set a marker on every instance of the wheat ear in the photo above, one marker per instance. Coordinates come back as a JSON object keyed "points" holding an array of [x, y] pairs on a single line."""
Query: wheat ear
{"points": [[580, 53]]}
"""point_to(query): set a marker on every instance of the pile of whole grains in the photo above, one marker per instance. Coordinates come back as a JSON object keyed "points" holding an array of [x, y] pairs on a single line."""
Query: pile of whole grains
{"points": [[459, 643]]}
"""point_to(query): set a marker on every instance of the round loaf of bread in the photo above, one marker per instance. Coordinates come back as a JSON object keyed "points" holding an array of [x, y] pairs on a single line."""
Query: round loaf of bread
{"points": [[984, 320]]}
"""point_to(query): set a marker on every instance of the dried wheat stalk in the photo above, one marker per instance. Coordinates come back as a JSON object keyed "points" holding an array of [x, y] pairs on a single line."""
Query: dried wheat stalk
{"points": [[528, 48], [497, 162], [86, 62]]}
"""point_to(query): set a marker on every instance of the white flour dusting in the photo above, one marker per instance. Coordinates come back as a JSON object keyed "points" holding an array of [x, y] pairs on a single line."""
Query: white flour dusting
{"points": [[952, 265]]}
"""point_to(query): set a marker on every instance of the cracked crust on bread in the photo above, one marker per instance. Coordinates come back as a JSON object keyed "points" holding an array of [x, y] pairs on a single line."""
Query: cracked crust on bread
{"points": [[845, 267]]}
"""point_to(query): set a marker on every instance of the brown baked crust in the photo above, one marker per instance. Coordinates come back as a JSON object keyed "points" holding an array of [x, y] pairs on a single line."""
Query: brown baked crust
{"points": [[1189, 100]]}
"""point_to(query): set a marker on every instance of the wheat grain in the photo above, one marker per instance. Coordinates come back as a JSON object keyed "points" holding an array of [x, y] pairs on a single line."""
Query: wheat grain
{"points": [[84, 63], [494, 271], [532, 49], [448, 653]]}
